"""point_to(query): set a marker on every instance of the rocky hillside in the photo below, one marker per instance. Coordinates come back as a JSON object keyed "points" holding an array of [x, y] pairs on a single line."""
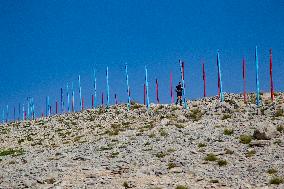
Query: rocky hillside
{"points": [[211, 145]]}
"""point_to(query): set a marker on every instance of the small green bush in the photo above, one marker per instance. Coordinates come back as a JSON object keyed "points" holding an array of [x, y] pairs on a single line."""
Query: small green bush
{"points": [[171, 165], [222, 162], [271, 171], [245, 139], [201, 145], [278, 113], [211, 157], [228, 131], [228, 151], [10, 151], [276, 180], [250, 153], [280, 128], [125, 185], [226, 116]]}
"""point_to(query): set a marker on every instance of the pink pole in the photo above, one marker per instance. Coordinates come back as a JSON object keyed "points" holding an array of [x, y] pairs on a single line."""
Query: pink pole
{"points": [[271, 79]]}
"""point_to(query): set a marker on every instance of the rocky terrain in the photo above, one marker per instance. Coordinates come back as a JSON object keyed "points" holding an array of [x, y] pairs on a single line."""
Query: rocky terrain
{"points": [[211, 145]]}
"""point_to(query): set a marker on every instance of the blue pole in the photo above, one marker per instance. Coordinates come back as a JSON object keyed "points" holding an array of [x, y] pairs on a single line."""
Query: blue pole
{"points": [[68, 98], [107, 87], [7, 113], [80, 92], [95, 87], [73, 98], [220, 76], [128, 88], [257, 78], [3, 116], [147, 88]]}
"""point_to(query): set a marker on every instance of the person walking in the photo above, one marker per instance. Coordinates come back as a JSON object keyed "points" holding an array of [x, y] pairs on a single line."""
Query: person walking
{"points": [[179, 90]]}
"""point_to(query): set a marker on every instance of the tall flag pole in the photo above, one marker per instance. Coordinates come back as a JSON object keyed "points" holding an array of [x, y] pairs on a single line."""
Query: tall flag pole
{"points": [[271, 78], [157, 92], [244, 79], [220, 77], [14, 113], [68, 98], [56, 107], [204, 79], [147, 88], [95, 87], [73, 98], [24, 112], [144, 90], [7, 113], [171, 88], [19, 112], [80, 92], [257, 78], [183, 83], [102, 98], [3, 116], [107, 87], [61, 99], [115, 98], [128, 88]]}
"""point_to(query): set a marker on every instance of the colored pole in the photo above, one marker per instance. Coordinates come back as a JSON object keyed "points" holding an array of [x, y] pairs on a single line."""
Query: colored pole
{"points": [[171, 88], [3, 116], [271, 78], [80, 92], [147, 88], [244, 79], [68, 98], [128, 88], [257, 78], [220, 77], [144, 94], [14, 113], [56, 107], [183, 83], [107, 87], [73, 98], [61, 99], [204, 80], [7, 113], [23, 111], [157, 92], [102, 98], [83, 103], [19, 106], [115, 98], [92, 101], [95, 87]]}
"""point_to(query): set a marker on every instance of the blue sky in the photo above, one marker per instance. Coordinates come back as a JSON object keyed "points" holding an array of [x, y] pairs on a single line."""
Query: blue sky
{"points": [[45, 44]]}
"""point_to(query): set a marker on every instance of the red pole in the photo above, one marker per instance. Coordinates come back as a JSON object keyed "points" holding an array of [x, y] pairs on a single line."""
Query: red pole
{"points": [[271, 79], [56, 107], [244, 78], [218, 80], [25, 115], [204, 80], [144, 94], [42, 114], [92, 101]]}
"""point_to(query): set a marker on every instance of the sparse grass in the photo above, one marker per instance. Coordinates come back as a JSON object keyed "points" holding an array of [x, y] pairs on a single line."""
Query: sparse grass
{"points": [[135, 106], [280, 128], [211, 157], [278, 113], [171, 150], [214, 181], [276, 180], [125, 185], [180, 126], [161, 154], [12, 152], [152, 135], [245, 139], [163, 132], [201, 145], [181, 187], [250, 153], [271, 171], [228, 151], [278, 141], [226, 116], [222, 163], [171, 165], [114, 154], [228, 131], [194, 114]]}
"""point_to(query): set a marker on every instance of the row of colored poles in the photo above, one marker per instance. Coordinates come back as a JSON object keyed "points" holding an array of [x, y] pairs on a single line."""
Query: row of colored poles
{"points": [[27, 111]]}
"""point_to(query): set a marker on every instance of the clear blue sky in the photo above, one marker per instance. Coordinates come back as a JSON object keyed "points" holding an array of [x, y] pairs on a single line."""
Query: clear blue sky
{"points": [[45, 44]]}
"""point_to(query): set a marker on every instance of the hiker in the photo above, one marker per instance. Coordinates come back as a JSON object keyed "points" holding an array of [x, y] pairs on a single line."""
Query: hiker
{"points": [[179, 90]]}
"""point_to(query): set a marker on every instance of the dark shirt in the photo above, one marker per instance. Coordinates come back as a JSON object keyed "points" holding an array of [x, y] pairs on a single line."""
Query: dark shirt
{"points": [[179, 90]]}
